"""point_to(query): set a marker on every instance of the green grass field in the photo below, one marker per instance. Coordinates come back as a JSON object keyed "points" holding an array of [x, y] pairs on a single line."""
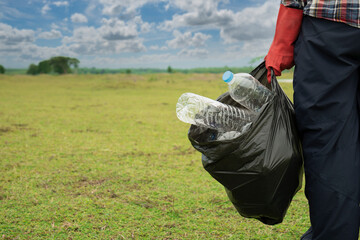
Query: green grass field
{"points": [[104, 157]]}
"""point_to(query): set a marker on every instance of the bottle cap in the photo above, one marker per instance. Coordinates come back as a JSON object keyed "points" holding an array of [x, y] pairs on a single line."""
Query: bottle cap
{"points": [[228, 76]]}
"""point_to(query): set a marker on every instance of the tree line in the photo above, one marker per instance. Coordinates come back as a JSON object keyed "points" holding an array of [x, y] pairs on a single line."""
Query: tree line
{"points": [[59, 65]]}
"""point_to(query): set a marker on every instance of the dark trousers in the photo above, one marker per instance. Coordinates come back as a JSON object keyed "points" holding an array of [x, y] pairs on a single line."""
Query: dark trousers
{"points": [[327, 102]]}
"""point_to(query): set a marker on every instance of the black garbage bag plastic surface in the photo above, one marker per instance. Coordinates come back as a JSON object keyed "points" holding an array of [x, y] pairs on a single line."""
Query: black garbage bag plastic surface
{"points": [[262, 169]]}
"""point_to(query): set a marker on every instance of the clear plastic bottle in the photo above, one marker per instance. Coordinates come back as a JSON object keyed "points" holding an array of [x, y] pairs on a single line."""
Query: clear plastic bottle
{"points": [[247, 90], [202, 111], [225, 135]]}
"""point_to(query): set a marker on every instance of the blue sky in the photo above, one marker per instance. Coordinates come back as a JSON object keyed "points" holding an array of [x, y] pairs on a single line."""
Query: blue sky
{"points": [[136, 33]]}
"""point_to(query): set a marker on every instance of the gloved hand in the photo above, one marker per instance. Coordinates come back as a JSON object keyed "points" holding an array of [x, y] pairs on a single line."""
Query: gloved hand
{"points": [[281, 52]]}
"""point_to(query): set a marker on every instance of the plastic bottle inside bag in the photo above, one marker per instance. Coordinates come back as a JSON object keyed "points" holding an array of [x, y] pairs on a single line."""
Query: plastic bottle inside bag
{"points": [[205, 112], [247, 90]]}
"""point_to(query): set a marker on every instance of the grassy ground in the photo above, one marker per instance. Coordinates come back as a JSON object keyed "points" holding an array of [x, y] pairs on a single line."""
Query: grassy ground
{"points": [[104, 157]]}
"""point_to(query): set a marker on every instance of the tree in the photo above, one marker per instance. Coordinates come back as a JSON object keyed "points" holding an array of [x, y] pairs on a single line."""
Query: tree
{"points": [[62, 65], [169, 69], [44, 66], [74, 63], [33, 69], [128, 71], [2, 69]]}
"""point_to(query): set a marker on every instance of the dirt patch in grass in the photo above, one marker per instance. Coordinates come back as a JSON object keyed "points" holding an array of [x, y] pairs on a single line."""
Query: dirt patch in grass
{"points": [[14, 127], [4, 130], [89, 130], [84, 181], [22, 126], [146, 203]]}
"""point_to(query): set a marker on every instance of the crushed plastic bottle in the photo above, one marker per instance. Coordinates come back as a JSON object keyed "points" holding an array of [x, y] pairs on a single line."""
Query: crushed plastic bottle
{"points": [[221, 136], [247, 90], [202, 111]]}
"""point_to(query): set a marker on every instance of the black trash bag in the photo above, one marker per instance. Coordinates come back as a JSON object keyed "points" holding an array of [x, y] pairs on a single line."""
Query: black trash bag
{"points": [[261, 169]]}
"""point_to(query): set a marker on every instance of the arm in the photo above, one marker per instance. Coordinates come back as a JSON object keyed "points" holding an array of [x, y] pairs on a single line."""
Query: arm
{"points": [[281, 52]]}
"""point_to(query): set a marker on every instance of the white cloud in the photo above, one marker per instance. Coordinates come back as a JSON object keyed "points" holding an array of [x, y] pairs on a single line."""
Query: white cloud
{"points": [[114, 36], [246, 24], [146, 27], [53, 34], [36, 53], [114, 7], [45, 9], [61, 3], [146, 60], [78, 18], [25, 52], [197, 53], [115, 29], [55, 26], [61, 25], [91, 8], [7, 12], [126, 9], [255, 48], [252, 23], [198, 13], [14, 36], [19, 44], [191, 5], [187, 40], [156, 47]]}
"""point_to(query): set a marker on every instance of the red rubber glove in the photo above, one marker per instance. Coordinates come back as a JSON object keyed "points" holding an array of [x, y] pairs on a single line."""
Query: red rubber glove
{"points": [[281, 52]]}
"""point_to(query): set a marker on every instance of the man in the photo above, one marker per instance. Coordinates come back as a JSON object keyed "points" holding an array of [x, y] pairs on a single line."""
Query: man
{"points": [[322, 39]]}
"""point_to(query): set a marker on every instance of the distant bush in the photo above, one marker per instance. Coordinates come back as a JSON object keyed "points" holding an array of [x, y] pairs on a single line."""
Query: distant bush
{"points": [[62, 65], [44, 67], [169, 69], [33, 69], [2, 69], [59, 64]]}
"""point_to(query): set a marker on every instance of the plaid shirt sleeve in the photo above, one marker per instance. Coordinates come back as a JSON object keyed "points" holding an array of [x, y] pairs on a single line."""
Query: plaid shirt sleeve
{"points": [[294, 3], [345, 11]]}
